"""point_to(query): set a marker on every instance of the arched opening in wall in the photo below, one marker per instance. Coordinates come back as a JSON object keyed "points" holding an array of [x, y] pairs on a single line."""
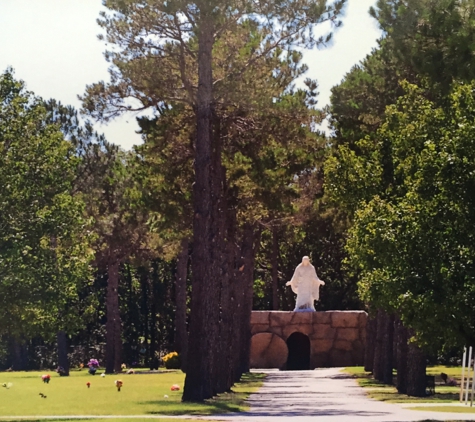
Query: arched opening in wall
{"points": [[299, 352]]}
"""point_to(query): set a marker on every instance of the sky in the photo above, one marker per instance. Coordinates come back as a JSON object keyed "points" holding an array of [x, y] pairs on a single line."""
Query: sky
{"points": [[52, 45]]}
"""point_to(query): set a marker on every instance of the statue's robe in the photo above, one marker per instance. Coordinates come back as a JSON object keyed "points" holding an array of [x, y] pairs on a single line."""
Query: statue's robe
{"points": [[306, 285]]}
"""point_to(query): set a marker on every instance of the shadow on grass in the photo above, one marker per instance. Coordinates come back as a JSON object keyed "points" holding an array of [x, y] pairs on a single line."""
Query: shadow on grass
{"points": [[234, 401], [388, 393], [208, 407], [393, 396], [48, 420]]}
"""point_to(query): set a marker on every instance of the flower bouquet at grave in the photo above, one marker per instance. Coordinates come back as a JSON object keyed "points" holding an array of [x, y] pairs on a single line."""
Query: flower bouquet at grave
{"points": [[172, 361], [93, 365]]}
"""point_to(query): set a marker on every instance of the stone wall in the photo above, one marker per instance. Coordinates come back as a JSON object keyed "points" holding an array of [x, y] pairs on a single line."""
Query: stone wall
{"points": [[337, 338]]}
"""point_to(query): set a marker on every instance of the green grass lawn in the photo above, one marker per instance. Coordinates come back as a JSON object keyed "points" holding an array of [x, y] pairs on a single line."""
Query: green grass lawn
{"points": [[124, 419], [141, 394], [388, 393], [450, 409]]}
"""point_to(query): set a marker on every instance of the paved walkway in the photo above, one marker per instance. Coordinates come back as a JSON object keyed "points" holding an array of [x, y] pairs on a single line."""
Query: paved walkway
{"points": [[325, 395]]}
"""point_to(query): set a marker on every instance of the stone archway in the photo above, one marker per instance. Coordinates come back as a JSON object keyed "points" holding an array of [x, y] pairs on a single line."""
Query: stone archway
{"points": [[268, 351], [299, 352], [337, 338]]}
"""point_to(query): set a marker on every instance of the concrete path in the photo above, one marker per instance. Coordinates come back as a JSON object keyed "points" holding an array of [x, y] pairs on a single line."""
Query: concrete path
{"points": [[325, 395]]}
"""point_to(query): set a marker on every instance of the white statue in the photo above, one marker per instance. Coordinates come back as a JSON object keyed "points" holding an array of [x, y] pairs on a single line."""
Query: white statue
{"points": [[306, 285]]}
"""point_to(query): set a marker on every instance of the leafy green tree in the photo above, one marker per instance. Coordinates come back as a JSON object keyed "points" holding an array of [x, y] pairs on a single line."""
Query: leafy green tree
{"points": [[44, 241], [413, 248], [428, 43], [107, 180]]}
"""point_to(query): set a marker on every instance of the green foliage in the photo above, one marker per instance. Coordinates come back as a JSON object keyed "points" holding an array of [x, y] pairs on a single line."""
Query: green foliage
{"points": [[434, 38], [414, 248], [156, 56], [268, 141], [396, 169], [44, 252]]}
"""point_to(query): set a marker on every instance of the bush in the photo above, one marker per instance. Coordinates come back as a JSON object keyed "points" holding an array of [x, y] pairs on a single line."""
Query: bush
{"points": [[172, 360]]}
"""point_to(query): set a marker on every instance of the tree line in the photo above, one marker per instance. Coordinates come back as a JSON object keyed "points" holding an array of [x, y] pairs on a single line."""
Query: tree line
{"points": [[169, 246], [401, 169], [227, 155]]}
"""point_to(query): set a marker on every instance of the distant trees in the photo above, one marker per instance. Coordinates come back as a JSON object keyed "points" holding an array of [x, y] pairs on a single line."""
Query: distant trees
{"points": [[45, 239]]}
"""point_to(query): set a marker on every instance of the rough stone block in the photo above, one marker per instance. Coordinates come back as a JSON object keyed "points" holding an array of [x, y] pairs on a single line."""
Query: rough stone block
{"points": [[276, 330], [341, 358], [321, 346], [347, 346], [337, 338], [259, 328], [260, 317], [268, 351], [322, 318], [323, 331], [280, 318], [302, 318], [320, 360], [348, 334], [345, 319]]}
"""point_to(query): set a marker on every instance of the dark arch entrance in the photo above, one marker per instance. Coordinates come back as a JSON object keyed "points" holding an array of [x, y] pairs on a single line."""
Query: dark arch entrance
{"points": [[299, 352]]}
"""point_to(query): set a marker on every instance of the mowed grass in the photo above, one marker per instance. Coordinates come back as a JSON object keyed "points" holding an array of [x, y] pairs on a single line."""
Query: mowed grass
{"points": [[122, 419], [388, 393], [450, 409], [141, 394]]}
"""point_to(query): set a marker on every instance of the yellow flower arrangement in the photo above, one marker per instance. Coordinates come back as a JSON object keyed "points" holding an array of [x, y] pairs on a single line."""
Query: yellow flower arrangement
{"points": [[169, 356], [172, 361]]}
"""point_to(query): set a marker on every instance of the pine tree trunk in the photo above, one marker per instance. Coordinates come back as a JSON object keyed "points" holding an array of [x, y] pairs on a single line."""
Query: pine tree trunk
{"points": [[378, 346], [63, 362], [181, 335], [388, 343], [152, 358], [370, 343], [275, 274], [402, 348], [383, 354], [233, 292], [145, 311], [237, 287], [113, 324], [416, 371], [248, 254], [223, 268], [204, 327], [240, 285]]}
